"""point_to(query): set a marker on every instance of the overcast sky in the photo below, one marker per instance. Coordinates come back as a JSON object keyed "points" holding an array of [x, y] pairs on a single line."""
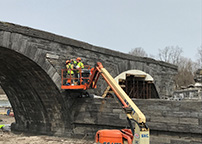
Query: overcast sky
{"points": [[115, 24]]}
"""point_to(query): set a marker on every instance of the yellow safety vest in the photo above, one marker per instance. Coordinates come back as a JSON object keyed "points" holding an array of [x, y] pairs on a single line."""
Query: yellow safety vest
{"points": [[81, 65], [70, 66]]}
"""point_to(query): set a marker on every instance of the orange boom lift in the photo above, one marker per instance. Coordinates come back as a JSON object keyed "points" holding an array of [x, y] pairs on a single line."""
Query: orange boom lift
{"points": [[138, 133]]}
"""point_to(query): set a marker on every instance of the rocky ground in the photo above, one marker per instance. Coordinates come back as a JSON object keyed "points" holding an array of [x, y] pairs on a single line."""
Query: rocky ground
{"points": [[17, 138], [11, 138]]}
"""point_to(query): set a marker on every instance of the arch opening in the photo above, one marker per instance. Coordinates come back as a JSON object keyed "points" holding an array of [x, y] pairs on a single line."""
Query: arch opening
{"points": [[34, 97], [136, 84]]}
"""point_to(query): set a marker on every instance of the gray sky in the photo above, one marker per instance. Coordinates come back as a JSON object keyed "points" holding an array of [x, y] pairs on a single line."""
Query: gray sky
{"points": [[115, 24]]}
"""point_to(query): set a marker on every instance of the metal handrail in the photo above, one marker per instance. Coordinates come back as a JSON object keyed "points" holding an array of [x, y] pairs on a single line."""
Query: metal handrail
{"points": [[68, 78]]}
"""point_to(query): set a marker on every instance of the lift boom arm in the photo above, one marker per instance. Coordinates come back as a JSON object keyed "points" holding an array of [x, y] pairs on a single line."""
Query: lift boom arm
{"points": [[141, 133]]}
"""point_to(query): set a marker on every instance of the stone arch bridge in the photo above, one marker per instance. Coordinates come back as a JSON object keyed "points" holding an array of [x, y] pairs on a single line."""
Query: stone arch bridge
{"points": [[30, 66]]}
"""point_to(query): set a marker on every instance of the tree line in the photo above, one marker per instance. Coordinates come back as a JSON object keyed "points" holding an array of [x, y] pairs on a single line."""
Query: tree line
{"points": [[173, 54]]}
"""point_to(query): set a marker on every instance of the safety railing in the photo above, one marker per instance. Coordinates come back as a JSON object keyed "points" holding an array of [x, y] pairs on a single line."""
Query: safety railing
{"points": [[75, 78]]}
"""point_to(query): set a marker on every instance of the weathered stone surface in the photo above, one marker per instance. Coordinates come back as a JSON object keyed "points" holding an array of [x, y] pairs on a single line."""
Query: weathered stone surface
{"points": [[192, 121], [184, 128], [180, 141]]}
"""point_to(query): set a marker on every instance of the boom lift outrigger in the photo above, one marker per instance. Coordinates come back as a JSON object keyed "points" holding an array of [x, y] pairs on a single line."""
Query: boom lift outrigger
{"points": [[139, 134]]}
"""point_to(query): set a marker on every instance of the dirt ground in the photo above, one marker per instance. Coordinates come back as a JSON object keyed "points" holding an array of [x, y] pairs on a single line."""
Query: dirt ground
{"points": [[11, 138], [4, 119]]}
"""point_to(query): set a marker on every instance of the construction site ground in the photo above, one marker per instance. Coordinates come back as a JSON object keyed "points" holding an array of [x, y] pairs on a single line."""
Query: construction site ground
{"points": [[19, 138], [11, 138]]}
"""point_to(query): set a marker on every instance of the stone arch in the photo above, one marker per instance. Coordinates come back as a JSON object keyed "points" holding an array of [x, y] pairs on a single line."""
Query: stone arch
{"points": [[121, 79], [147, 78], [34, 96], [21, 44]]}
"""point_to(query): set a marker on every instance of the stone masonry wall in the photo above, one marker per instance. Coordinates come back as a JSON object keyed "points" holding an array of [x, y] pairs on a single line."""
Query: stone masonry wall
{"points": [[56, 49], [170, 122]]}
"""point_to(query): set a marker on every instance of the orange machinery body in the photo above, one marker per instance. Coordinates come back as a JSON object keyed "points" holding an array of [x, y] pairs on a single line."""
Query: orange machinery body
{"points": [[114, 136]]}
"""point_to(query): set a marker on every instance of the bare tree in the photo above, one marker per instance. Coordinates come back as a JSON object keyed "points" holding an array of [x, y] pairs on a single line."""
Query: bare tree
{"points": [[170, 54], [186, 67], [199, 55], [138, 52], [186, 70]]}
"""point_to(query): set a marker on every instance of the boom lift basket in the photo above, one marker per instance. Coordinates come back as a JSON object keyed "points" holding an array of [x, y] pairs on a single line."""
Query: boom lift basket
{"points": [[78, 80]]}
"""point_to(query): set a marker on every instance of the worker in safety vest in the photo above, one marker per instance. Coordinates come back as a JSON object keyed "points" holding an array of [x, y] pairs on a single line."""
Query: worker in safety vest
{"points": [[74, 63], [70, 72], [79, 66], [79, 63]]}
